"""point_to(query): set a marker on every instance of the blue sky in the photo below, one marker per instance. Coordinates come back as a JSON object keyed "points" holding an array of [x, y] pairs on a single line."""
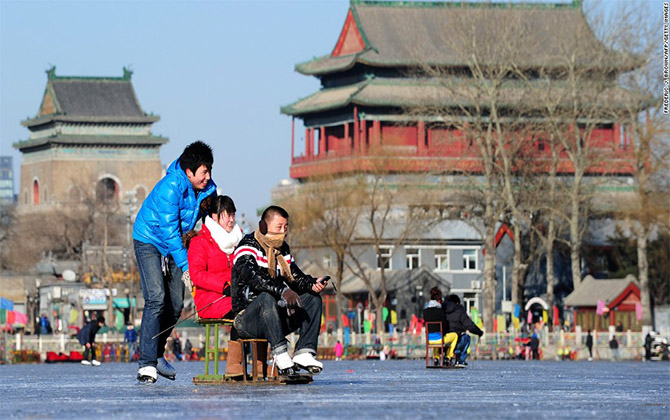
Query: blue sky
{"points": [[217, 71]]}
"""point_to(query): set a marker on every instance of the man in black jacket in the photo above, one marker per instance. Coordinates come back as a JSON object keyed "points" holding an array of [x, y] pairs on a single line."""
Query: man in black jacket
{"points": [[459, 322], [272, 297], [86, 337]]}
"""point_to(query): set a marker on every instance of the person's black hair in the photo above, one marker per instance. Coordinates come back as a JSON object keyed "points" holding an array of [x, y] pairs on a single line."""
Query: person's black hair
{"points": [[436, 294], [268, 214], [219, 204], [195, 155], [454, 299], [101, 320]]}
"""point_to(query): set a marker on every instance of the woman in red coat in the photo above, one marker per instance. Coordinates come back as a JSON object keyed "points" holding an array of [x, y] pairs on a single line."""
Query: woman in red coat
{"points": [[210, 260]]}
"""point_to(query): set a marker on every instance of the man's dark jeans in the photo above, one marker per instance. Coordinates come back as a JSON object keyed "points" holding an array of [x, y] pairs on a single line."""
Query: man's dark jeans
{"points": [[263, 318], [163, 301]]}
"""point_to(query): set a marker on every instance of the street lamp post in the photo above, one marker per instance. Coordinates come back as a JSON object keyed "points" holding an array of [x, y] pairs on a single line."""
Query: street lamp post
{"points": [[131, 201]]}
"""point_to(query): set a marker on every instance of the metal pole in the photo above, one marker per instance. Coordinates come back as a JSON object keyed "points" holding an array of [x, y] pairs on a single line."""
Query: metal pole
{"points": [[504, 294]]}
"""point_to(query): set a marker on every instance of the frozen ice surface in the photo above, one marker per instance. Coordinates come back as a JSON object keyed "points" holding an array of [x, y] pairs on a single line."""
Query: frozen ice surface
{"points": [[349, 389]]}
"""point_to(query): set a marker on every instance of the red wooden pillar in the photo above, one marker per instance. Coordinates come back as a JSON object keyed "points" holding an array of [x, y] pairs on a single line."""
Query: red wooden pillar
{"points": [[376, 139], [357, 134], [364, 135], [347, 141], [306, 142], [292, 138], [421, 138], [322, 141]]}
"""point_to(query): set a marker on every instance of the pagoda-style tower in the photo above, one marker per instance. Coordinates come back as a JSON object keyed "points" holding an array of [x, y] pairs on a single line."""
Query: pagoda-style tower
{"points": [[90, 136], [368, 86]]}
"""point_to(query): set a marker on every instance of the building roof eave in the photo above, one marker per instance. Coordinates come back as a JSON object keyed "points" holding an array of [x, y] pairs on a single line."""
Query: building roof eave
{"points": [[37, 121], [24, 145]]}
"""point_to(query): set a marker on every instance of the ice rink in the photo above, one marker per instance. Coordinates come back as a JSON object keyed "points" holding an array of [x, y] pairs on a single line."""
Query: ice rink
{"points": [[348, 390]]}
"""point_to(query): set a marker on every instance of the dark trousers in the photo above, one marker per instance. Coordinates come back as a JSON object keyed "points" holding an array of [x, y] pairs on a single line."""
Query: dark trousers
{"points": [[89, 352], [263, 318]]}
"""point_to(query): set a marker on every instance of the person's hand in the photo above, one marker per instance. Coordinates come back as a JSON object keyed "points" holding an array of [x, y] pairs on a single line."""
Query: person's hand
{"points": [[320, 284], [291, 298], [186, 278]]}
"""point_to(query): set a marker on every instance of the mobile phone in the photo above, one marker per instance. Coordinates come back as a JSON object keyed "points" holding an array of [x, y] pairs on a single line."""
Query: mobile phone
{"points": [[325, 279]]}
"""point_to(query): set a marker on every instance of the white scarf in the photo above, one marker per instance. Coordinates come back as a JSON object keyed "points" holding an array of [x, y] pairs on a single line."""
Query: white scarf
{"points": [[226, 241]]}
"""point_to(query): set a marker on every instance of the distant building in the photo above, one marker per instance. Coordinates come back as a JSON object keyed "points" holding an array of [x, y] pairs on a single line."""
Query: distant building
{"points": [[619, 298], [360, 116], [6, 181], [89, 137]]}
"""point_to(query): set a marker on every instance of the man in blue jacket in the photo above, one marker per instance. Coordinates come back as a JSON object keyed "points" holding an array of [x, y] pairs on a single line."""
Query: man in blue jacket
{"points": [[171, 209]]}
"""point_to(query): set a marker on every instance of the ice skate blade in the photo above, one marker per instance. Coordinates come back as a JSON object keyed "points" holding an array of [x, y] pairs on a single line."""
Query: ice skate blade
{"points": [[295, 379], [314, 370], [170, 377], [144, 379]]}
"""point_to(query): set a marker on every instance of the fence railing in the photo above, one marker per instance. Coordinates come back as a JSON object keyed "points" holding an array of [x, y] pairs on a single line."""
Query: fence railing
{"points": [[398, 345]]}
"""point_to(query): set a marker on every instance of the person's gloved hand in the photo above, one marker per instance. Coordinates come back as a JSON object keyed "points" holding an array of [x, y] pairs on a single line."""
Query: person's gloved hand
{"points": [[292, 300], [186, 278]]}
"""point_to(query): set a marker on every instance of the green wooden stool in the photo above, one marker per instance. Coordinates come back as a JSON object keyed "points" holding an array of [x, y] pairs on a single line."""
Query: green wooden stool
{"points": [[212, 351]]}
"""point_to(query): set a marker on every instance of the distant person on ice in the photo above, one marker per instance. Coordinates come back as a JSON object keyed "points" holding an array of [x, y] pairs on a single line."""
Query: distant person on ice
{"points": [[460, 323], [171, 209], [272, 297], [130, 339], [86, 337]]}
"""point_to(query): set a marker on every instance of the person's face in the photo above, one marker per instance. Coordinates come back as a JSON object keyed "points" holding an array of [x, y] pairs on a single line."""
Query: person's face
{"points": [[225, 220], [200, 178], [277, 225]]}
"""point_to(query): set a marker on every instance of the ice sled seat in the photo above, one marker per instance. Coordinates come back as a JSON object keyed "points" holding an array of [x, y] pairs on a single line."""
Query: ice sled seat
{"points": [[257, 347], [434, 321]]}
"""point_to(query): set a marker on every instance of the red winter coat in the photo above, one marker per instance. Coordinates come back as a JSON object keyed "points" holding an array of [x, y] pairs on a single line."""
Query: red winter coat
{"points": [[210, 270]]}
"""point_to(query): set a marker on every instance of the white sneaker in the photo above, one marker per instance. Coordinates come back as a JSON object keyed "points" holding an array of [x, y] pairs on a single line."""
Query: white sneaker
{"points": [[86, 363], [95, 362], [147, 374], [307, 362], [282, 362]]}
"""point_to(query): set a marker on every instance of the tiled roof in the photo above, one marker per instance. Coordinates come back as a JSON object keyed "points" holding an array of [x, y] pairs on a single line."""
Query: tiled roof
{"points": [[447, 33], [429, 93], [591, 290], [90, 99]]}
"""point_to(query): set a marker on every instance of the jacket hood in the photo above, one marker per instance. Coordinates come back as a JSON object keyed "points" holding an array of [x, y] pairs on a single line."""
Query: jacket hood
{"points": [[175, 168], [450, 307]]}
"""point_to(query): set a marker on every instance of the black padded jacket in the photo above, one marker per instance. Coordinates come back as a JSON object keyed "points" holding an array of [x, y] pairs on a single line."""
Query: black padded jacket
{"points": [[250, 275], [458, 319]]}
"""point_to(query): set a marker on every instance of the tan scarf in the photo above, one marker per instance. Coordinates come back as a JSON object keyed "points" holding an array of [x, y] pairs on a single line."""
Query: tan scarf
{"points": [[271, 244]]}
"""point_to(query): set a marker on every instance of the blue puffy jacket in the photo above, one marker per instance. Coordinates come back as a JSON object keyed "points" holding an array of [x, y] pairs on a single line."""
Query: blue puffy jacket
{"points": [[170, 210]]}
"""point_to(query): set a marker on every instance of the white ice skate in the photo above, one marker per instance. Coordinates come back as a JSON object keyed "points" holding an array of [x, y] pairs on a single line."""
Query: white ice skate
{"points": [[86, 363], [307, 362], [95, 362], [147, 374], [284, 364]]}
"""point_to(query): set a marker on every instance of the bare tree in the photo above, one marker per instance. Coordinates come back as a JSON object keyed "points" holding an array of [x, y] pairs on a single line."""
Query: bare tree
{"points": [[329, 209], [385, 223]]}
